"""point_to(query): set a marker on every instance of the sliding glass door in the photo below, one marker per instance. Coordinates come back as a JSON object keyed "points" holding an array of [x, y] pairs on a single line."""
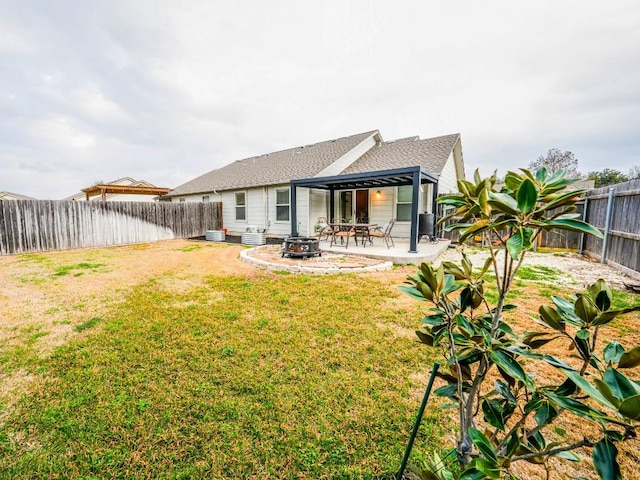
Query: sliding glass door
{"points": [[354, 205]]}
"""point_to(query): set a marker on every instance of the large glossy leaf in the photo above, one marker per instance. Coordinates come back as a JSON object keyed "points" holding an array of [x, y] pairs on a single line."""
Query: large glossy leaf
{"points": [[630, 359], [536, 340], [483, 201], [412, 292], [585, 309], [504, 390], [541, 174], [512, 181], [492, 410], [557, 176], [474, 228], [452, 200], [606, 317], [545, 414], [489, 468], [566, 389], [605, 460], [549, 316], [472, 474], [572, 225], [449, 391], [425, 338], [588, 388], [574, 406], [527, 196], [559, 200], [620, 385], [425, 290], [483, 444], [453, 269], [571, 456], [613, 352], [510, 366], [519, 241], [630, 407], [604, 389], [503, 203], [598, 288]]}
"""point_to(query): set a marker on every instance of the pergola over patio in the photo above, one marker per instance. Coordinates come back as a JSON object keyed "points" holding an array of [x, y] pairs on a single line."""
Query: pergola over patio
{"points": [[396, 177]]}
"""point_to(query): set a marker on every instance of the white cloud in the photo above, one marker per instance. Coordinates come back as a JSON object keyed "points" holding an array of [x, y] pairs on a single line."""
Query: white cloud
{"points": [[95, 105], [62, 133], [166, 92]]}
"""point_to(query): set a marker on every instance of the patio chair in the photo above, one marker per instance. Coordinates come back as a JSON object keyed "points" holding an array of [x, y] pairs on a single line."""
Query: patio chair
{"points": [[342, 233], [384, 233], [325, 229]]}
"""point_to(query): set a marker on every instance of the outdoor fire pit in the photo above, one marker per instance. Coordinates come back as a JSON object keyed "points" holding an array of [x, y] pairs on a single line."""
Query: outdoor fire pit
{"points": [[301, 247]]}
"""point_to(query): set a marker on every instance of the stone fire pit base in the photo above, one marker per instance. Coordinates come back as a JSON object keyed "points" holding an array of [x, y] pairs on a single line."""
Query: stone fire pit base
{"points": [[270, 256]]}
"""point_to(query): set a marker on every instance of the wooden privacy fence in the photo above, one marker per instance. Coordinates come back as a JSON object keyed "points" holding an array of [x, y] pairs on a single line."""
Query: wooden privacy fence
{"points": [[41, 225], [615, 211]]}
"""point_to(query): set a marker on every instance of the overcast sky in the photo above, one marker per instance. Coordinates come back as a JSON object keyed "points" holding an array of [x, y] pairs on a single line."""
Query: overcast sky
{"points": [[166, 91]]}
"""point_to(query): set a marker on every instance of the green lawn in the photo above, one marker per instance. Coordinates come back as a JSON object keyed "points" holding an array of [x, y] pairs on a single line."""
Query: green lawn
{"points": [[268, 376]]}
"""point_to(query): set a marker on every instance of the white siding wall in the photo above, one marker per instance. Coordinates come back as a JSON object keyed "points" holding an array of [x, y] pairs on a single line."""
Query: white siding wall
{"points": [[448, 181], [319, 207], [303, 212], [261, 209], [381, 210]]}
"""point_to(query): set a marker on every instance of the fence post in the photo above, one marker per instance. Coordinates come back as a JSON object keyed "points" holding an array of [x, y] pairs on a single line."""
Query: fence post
{"points": [[607, 224], [585, 216]]}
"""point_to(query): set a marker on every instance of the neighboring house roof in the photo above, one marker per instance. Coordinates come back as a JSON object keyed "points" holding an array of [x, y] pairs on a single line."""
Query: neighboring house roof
{"points": [[430, 153], [311, 160], [273, 168], [121, 184], [4, 195]]}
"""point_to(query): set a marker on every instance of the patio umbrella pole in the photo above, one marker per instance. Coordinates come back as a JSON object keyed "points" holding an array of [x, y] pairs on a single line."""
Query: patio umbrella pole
{"points": [[416, 424]]}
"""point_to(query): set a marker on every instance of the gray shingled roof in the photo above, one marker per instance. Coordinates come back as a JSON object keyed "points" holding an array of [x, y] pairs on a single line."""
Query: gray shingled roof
{"points": [[273, 168], [430, 153]]}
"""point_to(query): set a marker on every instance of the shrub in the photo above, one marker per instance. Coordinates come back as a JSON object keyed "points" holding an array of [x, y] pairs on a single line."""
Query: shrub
{"points": [[513, 419]]}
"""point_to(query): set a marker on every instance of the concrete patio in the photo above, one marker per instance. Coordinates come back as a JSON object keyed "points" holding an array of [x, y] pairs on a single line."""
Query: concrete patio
{"points": [[398, 255], [338, 259]]}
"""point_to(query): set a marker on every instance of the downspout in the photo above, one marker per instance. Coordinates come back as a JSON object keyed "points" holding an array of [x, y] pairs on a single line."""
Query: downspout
{"points": [[265, 201]]}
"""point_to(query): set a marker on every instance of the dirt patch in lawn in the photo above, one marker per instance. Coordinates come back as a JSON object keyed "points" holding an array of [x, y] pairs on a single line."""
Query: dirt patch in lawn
{"points": [[47, 298]]}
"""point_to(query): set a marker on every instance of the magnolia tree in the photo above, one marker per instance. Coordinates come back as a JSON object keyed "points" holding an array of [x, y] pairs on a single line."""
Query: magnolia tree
{"points": [[505, 414]]}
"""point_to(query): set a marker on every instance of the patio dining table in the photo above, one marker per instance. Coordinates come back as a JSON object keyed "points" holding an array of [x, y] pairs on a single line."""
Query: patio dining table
{"points": [[359, 229]]}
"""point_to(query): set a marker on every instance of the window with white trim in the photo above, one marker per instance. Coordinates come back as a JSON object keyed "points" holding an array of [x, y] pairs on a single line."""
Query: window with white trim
{"points": [[403, 203], [205, 198], [241, 205], [182, 199], [282, 204]]}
